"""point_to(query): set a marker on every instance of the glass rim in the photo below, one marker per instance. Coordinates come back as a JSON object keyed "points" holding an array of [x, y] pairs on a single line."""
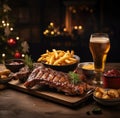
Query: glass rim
{"points": [[100, 34]]}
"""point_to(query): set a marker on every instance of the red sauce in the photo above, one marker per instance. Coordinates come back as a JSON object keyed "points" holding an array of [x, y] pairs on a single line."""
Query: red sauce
{"points": [[16, 63], [111, 79], [112, 73]]}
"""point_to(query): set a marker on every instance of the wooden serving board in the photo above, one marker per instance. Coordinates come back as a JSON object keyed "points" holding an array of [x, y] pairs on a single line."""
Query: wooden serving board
{"points": [[49, 94]]}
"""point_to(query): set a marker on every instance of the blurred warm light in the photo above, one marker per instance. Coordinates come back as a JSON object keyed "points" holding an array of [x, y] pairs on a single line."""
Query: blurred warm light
{"points": [[23, 55], [51, 24], [4, 24], [74, 11], [7, 24], [3, 55], [3, 21], [11, 29], [64, 29], [80, 27], [17, 38], [46, 32], [52, 32], [58, 33], [75, 27]]}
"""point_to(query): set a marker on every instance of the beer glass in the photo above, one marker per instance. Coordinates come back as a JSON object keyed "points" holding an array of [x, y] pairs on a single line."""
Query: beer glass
{"points": [[99, 47]]}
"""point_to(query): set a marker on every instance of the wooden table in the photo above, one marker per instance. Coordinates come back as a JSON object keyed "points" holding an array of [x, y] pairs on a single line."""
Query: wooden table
{"points": [[16, 104]]}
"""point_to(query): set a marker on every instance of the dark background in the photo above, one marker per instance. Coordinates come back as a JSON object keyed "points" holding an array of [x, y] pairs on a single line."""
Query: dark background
{"points": [[33, 17]]}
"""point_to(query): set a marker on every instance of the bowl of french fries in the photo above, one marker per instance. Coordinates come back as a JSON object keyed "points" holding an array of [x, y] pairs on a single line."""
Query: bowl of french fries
{"points": [[60, 60]]}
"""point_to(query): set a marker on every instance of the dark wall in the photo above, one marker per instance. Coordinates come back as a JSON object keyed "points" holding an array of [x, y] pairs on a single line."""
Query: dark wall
{"points": [[112, 25], [33, 16]]}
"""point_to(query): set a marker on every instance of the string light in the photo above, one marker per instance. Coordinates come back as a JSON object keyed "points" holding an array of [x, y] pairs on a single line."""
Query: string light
{"points": [[51, 24], [17, 38], [3, 55], [9, 46], [23, 55], [46, 32], [3, 21], [11, 29], [58, 33], [4, 24], [64, 29], [52, 32], [80, 27], [75, 27], [7, 24]]}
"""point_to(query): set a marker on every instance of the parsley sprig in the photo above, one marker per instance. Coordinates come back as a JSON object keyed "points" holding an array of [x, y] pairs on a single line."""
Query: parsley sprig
{"points": [[74, 77], [28, 61]]}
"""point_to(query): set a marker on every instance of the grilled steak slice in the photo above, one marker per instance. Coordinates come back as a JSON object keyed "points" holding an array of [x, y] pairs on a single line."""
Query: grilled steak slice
{"points": [[22, 74], [55, 79]]}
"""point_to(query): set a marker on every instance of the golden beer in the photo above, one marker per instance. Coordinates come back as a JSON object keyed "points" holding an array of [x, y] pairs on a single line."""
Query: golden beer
{"points": [[99, 47]]}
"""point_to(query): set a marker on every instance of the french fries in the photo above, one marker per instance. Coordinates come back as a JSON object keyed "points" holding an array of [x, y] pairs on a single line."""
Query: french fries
{"points": [[58, 57]]}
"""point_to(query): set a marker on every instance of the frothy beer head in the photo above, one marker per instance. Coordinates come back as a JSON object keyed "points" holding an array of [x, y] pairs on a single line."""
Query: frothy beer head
{"points": [[99, 40]]}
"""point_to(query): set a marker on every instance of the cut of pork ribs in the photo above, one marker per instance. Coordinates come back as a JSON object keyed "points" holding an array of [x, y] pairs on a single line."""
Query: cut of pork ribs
{"points": [[55, 79]]}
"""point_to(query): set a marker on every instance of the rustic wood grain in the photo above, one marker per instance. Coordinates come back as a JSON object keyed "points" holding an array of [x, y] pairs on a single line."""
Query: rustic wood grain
{"points": [[50, 94]]}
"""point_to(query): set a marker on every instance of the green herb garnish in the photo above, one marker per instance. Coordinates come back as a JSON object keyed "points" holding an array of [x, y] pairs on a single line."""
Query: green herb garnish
{"points": [[74, 77], [28, 61]]}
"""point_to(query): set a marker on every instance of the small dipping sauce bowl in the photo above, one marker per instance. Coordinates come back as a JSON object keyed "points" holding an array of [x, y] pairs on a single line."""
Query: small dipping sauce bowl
{"points": [[111, 79], [87, 68], [14, 64]]}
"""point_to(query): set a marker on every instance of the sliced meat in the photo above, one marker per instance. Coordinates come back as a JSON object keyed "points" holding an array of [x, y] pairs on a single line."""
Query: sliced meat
{"points": [[55, 79]]}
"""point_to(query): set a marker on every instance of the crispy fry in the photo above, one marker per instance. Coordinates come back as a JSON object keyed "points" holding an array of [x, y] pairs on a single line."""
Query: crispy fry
{"points": [[51, 61], [58, 57], [55, 53], [72, 52], [67, 61]]}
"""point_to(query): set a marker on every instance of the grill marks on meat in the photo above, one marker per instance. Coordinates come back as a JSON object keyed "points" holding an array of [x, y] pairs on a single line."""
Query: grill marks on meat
{"points": [[22, 74], [54, 79]]}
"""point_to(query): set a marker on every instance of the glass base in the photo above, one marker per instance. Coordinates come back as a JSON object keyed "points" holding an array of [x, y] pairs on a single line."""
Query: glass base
{"points": [[99, 83], [97, 79]]}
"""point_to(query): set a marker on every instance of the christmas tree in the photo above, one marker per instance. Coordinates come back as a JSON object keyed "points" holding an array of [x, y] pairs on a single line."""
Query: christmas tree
{"points": [[11, 45]]}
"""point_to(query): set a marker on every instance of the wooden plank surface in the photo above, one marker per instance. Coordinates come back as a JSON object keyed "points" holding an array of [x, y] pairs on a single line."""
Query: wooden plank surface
{"points": [[50, 94]]}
